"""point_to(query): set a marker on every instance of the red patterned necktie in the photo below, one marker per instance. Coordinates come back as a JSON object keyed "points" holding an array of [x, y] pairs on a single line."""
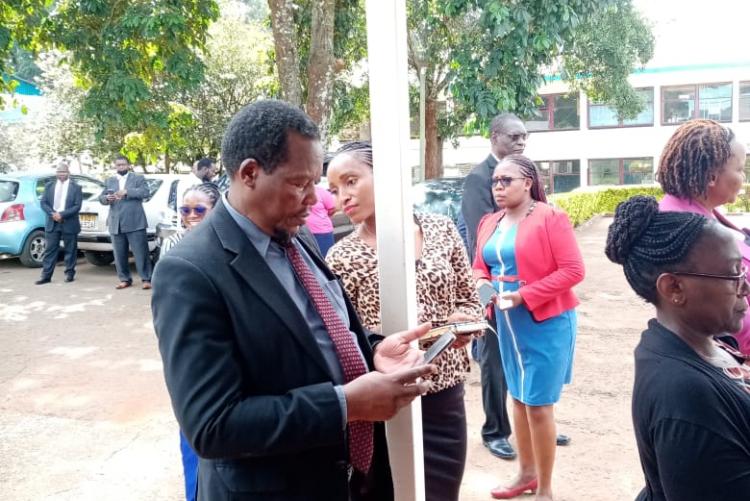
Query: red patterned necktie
{"points": [[352, 364]]}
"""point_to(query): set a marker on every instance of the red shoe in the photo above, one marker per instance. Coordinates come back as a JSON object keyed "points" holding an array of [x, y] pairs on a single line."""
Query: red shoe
{"points": [[506, 493]]}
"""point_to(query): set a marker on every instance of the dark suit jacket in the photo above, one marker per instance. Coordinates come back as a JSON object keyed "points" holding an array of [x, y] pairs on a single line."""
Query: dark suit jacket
{"points": [[477, 199], [70, 224], [126, 215], [248, 383]]}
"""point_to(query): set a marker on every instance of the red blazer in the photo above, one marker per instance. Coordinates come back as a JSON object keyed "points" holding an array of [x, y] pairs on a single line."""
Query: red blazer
{"points": [[547, 258]]}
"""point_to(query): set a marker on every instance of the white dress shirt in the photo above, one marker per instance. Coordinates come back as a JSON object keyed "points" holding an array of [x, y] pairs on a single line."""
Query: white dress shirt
{"points": [[61, 194], [122, 180]]}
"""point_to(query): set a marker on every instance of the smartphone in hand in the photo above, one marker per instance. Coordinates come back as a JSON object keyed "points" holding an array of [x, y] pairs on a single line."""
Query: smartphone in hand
{"points": [[486, 294], [443, 343]]}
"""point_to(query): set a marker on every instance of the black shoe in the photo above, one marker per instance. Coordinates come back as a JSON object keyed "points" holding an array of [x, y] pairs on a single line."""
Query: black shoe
{"points": [[69, 278], [42, 281], [500, 448], [563, 440]]}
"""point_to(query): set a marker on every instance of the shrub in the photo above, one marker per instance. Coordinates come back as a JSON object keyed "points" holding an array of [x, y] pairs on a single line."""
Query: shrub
{"points": [[585, 203]]}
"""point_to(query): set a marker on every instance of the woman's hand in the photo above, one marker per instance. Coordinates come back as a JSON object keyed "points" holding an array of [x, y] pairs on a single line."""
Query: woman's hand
{"points": [[514, 297]]}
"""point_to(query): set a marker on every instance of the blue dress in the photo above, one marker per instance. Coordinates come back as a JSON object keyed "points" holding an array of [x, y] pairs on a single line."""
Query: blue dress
{"points": [[537, 356]]}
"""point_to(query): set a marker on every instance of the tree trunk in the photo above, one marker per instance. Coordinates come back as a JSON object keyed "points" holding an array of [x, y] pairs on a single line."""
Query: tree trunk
{"points": [[287, 59], [320, 68], [167, 163], [433, 157]]}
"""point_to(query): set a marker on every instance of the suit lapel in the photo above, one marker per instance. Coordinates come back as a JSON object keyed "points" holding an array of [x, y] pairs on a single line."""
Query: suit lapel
{"points": [[251, 266]]}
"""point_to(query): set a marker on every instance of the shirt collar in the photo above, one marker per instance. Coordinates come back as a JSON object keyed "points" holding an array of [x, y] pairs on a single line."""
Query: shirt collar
{"points": [[257, 237]]}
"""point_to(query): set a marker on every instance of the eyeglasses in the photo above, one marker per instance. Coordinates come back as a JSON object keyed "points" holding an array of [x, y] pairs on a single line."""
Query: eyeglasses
{"points": [[515, 137], [199, 210], [504, 180], [741, 279]]}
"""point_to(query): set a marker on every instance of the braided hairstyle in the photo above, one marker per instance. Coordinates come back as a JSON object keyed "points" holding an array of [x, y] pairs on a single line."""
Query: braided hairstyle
{"points": [[209, 189], [647, 242], [528, 169], [697, 149], [361, 150]]}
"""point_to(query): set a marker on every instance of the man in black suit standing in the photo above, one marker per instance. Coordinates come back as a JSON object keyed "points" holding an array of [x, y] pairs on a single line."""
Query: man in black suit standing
{"points": [[124, 193], [507, 136], [61, 202], [271, 375]]}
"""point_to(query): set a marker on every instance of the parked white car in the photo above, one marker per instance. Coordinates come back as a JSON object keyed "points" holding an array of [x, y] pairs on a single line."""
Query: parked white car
{"points": [[95, 240]]}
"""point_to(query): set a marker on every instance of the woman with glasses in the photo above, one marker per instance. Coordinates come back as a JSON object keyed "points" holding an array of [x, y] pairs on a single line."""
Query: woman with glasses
{"points": [[197, 202], [691, 397], [701, 169], [528, 252]]}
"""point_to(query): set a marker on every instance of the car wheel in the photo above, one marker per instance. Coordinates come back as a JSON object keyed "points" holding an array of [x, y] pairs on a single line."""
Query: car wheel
{"points": [[33, 250], [100, 258]]}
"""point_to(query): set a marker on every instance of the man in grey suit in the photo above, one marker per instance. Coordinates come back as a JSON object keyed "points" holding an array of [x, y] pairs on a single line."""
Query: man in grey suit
{"points": [[61, 202], [124, 193]]}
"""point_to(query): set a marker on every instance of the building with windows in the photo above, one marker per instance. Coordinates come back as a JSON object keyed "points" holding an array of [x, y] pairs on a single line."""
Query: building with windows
{"points": [[700, 69], [577, 142]]}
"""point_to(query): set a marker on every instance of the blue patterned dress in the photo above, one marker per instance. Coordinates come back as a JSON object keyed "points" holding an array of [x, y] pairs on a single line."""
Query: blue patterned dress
{"points": [[537, 356]]}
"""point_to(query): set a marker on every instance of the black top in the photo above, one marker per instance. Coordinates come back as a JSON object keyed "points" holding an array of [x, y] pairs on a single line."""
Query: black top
{"points": [[692, 423]]}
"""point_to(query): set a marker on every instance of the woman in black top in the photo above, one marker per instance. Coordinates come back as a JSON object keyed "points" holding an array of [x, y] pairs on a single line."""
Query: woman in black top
{"points": [[691, 399]]}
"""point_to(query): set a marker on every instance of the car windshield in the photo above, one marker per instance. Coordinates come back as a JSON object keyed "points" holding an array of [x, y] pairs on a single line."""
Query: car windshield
{"points": [[8, 191], [153, 187], [439, 196]]}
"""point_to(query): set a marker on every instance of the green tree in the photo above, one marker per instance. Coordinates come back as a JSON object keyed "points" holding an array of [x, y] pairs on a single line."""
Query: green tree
{"points": [[131, 56], [596, 44]]}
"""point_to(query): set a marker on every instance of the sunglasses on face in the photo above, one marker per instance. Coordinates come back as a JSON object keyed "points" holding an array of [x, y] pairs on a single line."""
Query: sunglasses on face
{"points": [[740, 280], [199, 210], [505, 181]]}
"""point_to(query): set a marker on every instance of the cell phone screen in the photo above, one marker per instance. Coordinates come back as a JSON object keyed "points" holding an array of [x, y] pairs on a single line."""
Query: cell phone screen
{"points": [[442, 344], [486, 293]]}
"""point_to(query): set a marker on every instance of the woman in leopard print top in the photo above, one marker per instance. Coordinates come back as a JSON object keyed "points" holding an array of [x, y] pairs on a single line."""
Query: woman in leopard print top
{"points": [[445, 293]]}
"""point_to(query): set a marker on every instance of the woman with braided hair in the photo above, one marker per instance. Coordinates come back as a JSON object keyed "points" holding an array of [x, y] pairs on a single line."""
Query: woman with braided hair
{"points": [[701, 169], [691, 397], [528, 252]]}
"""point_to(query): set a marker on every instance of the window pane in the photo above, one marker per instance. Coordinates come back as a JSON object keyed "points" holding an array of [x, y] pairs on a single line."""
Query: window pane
{"points": [[604, 171], [679, 104], [544, 175], [601, 115], [40, 185], [744, 100], [566, 112], [638, 171], [567, 175], [646, 116], [747, 168], [90, 189], [540, 119], [716, 102]]}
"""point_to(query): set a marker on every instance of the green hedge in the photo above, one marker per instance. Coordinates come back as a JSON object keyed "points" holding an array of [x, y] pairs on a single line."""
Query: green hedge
{"points": [[585, 203]]}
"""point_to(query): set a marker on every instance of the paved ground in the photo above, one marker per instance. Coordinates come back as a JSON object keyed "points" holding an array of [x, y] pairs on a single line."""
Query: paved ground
{"points": [[84, 413]]}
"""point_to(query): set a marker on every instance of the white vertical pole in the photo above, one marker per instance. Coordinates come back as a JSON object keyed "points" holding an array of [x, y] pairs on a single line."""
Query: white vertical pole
{"points": [[389, 116]]}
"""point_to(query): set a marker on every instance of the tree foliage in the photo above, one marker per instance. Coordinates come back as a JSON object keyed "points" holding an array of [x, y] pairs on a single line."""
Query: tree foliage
{"points": [[131, 56]]}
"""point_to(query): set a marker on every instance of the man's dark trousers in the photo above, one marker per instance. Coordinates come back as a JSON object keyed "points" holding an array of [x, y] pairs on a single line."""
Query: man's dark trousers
{"points": [[139, 245], [494, 388], [49, 260]]}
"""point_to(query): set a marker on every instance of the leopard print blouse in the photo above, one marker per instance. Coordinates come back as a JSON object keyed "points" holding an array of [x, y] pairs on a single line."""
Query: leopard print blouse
{"points": [[444, 285]]}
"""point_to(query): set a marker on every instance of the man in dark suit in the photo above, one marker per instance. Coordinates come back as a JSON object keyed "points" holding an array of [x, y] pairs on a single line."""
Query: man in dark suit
{"points": [[124, 193], [269, 370], [507, 136], [61, 202]]}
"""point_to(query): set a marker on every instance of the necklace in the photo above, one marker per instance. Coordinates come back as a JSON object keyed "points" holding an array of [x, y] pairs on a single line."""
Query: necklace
{"points": [[528, 212]]}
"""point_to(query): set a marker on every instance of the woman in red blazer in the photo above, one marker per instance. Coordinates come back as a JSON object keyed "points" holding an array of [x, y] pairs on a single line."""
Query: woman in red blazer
{"points": [[528, 252]]}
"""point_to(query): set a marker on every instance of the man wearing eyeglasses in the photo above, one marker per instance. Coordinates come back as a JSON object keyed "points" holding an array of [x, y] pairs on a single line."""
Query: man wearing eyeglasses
{"points": [[507, 136]]}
